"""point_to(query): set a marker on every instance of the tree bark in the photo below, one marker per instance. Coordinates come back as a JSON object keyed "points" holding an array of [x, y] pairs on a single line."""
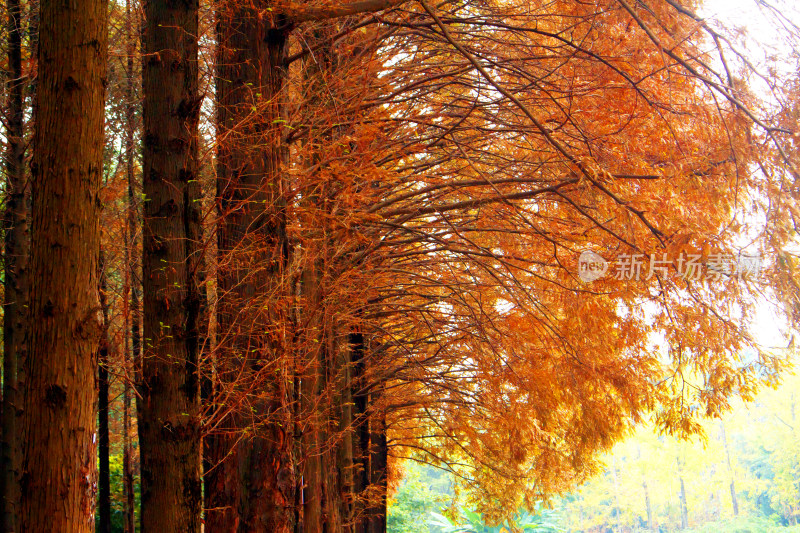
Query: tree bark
{"points": [[169, 416], [16, 285], [60, 409], [252, 484], [361, 437], [326, 399]]}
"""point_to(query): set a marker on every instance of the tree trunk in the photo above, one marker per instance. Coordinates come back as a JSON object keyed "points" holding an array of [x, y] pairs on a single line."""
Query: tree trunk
{"points": [[370, 449], [127, 466], [361, 437], [326, 399], [646, 491], [312, 414], [103, 438], [682, 496], [648, 507], [169, 416], [131, 292], [734, 500], [617, 506], [60, 409], [16, 285], [684, 509], [253, 486], [378, 462]]}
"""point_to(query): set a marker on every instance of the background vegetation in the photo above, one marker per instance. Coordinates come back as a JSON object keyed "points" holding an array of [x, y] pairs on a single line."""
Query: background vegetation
{"points": [[761, 439]]}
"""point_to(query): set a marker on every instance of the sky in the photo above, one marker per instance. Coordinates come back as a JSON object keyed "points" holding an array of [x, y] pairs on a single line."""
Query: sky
{"points": [[762, 40], [763, 34]]}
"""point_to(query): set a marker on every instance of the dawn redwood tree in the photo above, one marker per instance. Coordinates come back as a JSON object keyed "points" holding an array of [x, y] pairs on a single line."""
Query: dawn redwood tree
{"points": [[251, 483], [169, 418], [60, 409]]}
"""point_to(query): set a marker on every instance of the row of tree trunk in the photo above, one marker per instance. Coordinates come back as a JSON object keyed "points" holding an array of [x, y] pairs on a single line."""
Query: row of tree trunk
{"points": [[262, 471]]}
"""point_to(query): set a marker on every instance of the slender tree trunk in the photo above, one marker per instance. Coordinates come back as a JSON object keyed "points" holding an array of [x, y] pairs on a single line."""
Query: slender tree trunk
{"points": [[734, 500], [16, 285], [131, 292], [134, 253], [684, 509], [361, 444], [370, 449], [682, 496], [252, 486], [103, 438], [648, 506], [617, 506], [60, 409], [312, 409], [378, 462], [646, 491], [169, 416], [127, 467]]}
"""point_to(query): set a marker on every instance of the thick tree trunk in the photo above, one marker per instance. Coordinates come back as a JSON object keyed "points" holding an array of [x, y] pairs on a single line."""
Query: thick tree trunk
{"points": [[16, 285], [253, 486], [60, 409], [326, 412], [103, 438], [221, 482], [169, 416]]}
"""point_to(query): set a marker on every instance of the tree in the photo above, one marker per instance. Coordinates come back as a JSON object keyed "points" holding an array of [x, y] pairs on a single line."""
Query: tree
{"points": [[251, 481], [169, 413], [60, 410]]}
